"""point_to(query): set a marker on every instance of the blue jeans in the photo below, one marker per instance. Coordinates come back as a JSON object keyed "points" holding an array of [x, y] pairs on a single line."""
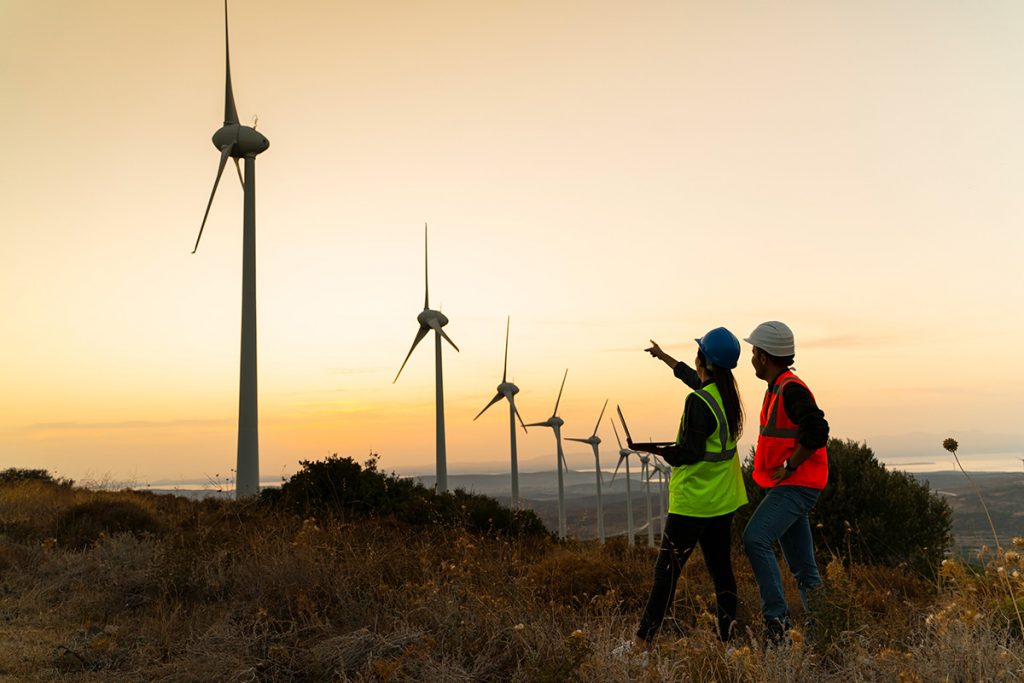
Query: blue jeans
{"points": [[782, 517]]}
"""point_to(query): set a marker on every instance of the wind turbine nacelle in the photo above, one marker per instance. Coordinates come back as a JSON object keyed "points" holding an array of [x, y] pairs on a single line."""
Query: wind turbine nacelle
{"points": [[508, 389], [247, 141], [426, 316], [625, 453], [556, 421]]}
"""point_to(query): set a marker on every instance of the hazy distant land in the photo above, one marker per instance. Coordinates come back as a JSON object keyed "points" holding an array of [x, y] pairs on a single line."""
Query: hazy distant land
{"points": [[1003, 493]]}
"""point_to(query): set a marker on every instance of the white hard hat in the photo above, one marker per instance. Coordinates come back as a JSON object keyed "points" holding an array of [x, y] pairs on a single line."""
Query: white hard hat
{"points": [[773, 337]]}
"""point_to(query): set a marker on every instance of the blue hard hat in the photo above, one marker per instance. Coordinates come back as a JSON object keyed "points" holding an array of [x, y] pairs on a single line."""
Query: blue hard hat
{"points": [[721, 347]]}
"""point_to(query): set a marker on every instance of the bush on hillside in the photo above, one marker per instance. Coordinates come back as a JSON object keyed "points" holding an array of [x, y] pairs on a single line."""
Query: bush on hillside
{"points": [[14, 475], [869, 514], [82, 525], [339, 486]]}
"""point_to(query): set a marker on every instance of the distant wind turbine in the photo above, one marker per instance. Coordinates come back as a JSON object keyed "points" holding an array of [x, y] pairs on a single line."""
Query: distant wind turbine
{"points": [[555, 423], [645, 460], [433, 320], [659, 469], [594, 440], [242, 142], [666, 470], [624, 454], [508, 390]]}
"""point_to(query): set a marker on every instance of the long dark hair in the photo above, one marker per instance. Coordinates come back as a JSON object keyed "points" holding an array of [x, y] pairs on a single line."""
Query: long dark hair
{"points": [[726, 383]]}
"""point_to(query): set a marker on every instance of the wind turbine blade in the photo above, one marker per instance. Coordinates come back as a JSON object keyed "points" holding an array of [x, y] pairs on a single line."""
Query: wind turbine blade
{"points": [[230, 113], [426, 278], [504, 371], [239, 169], [621, 458], [599, 417], [436, 326], [537, 424], [616, 434], [559, 399], [225, 151], [420, 334], [520, 418], [493, 401], [579, 440], [625, 428], [449, 340]]}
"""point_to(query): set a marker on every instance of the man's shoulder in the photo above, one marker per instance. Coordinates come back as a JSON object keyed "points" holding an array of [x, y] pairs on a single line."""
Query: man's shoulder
{"points": [[791, 384]]}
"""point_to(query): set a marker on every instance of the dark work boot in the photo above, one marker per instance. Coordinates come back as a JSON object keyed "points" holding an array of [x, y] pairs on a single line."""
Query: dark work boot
{"points": [[776, 631]]}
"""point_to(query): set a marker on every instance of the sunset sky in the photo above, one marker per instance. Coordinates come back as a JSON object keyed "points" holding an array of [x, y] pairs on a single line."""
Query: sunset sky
{"points": [[603, 172]]}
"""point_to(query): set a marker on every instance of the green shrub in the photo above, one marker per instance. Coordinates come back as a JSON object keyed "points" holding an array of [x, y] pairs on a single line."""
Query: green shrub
{"points": [[81, 525], [339, 486], [13, 475]]}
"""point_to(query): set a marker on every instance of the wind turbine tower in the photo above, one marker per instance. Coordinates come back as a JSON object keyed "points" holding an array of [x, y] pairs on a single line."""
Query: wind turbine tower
{"points": [[433, 320], [645, 461], [624, 454], [242, 142], [555, 423], [508, 390], [594, 440], [660, 469]]}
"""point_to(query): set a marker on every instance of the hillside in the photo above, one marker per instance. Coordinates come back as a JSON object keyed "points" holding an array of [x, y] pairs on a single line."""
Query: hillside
{"points": [[217, 590]]}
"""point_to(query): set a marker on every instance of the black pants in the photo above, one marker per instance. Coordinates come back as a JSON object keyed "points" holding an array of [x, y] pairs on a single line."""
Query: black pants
{"points": [[681, 536]]}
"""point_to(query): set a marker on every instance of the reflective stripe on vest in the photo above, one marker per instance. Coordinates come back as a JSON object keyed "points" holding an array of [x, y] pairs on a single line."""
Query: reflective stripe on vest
{"points": [[722, 450], [770, 426], [723, 430], [777, 442]]}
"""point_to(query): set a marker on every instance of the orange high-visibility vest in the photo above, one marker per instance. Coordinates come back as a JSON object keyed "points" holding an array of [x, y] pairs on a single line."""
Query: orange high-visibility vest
{"points": [[777, 441]]}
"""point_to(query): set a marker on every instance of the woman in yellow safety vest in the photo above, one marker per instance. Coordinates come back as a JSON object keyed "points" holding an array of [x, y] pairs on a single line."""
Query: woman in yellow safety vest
{"points": [[706, 487]]}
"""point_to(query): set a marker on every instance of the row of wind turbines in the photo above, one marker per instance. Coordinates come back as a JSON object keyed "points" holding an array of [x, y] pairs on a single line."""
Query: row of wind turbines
{"points": [[238, 142], [433, 320]]}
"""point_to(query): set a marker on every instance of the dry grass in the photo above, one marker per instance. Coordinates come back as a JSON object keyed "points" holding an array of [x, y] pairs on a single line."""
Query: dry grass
{"points": [[231, 592]]}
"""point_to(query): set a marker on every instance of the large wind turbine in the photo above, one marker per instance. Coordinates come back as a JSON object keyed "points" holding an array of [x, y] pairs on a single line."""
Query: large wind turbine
{"points": [[624, 454], [433, 320], [508, 390], [594, 440], [556, 423], [242, 142]]}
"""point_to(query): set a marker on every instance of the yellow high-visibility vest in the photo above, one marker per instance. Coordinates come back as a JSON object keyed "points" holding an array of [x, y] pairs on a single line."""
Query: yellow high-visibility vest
{"points": [[713, 486]]}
